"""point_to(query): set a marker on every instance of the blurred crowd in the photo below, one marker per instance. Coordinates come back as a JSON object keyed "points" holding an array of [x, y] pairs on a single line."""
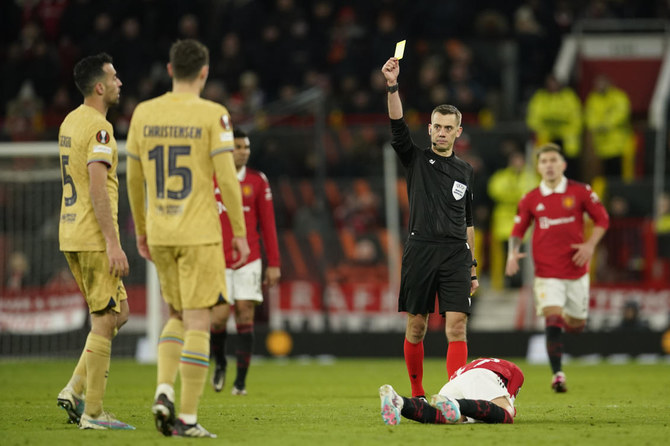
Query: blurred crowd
{"points": [[268, 50]]}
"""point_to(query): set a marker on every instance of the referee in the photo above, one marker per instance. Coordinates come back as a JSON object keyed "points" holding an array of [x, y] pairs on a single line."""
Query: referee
{"points": [[439, 252]]}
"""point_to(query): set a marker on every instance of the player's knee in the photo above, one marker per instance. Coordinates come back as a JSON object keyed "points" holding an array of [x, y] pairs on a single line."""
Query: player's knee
{"points": [[575, 327]]}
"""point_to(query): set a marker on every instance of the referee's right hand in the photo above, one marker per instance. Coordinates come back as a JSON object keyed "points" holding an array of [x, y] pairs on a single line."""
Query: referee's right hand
{"points": [[391, 70]]}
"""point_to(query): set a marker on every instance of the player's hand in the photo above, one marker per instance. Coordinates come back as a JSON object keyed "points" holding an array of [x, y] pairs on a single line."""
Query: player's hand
{"points": [[118, 262], [143, 248], [583, 254], [512, 266], [272, 276], [240, 251], [391, 70]]}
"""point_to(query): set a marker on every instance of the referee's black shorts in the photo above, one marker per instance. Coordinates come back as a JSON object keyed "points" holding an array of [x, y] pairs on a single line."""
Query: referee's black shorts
{"points": [[430, 267]]}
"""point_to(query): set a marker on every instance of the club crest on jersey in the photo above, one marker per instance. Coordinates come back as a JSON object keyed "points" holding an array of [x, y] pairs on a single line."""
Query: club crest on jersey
{"points": [[225, 122], [102, 137], [458, 190], [246, 190], [568, 202]]}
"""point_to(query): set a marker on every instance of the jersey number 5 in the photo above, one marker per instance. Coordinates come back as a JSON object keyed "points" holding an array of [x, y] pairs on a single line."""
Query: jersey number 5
{"points": [[158, 154], [67, 179]]}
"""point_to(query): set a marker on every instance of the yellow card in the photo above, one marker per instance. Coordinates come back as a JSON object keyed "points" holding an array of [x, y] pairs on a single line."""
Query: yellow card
{"points": [[399, 49]]}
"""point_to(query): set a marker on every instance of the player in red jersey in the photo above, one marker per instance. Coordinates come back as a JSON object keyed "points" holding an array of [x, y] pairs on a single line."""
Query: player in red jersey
{"points": [[483, 390], [560, 253], [244, 281]]}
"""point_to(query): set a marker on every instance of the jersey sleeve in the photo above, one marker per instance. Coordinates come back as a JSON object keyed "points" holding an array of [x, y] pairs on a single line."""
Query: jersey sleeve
{"points": [[222, 133], [101, 147], [594, 207], [221, 151], [266, 217], [523, 218], [402, 141]]}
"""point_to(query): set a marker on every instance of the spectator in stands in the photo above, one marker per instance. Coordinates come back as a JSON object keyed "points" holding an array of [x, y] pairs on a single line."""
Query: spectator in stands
{"points": [[607, 118], [506, 187], [18, 270], [630, 319], [555, 115]]}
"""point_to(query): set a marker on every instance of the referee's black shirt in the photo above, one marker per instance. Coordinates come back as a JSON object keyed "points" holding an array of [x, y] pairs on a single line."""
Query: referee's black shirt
{"points": [[439, 189]]}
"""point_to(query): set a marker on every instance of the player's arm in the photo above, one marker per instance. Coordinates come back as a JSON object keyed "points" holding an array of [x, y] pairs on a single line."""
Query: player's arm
{"points": [[137, 199], [136, 191], [596, 210], [391, 71], [521, 222], [231, 196], [118, 262], [268, 228]]}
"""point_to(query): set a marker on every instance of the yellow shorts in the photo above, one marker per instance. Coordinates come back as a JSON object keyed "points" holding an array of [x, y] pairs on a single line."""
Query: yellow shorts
{"points": [[191, 277], [100, 289]]}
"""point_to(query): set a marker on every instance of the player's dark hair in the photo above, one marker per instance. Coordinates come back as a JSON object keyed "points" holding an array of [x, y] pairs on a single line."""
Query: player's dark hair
{"points": [[239, 133], [549, 147], [89, 71], [446, 109], [187, 58]]}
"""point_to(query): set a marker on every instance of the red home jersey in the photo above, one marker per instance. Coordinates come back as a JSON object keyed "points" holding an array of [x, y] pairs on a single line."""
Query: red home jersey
{"points": [[259, 216], [559, 223], [510, 373]]}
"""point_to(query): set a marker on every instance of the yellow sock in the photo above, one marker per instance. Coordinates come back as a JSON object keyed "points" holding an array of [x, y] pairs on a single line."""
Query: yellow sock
{"points": [[170, 344], [193, 369], [78, 380], [98, 351]]}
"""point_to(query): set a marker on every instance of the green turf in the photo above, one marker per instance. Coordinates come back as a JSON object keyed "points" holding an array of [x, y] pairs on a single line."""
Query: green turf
{"points": [[306, 402]]}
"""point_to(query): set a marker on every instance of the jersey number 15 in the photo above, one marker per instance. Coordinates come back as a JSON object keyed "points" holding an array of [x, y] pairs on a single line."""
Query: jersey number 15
{"points": [[158, 154]]}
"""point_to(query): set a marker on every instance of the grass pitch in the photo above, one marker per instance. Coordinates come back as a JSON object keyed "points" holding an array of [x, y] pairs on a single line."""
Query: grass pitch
{"points": [[310, 402]]}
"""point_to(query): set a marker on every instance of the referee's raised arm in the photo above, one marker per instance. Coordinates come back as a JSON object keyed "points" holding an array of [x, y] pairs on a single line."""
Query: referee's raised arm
{"points": [[391, 70]]}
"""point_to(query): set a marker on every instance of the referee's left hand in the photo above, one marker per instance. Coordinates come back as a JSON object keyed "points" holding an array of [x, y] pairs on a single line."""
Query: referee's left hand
{"points": [[473, 286]]}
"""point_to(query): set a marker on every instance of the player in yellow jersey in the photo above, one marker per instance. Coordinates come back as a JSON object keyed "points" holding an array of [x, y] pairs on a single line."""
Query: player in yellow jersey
{"points": [[176, 143], [89, 235]]}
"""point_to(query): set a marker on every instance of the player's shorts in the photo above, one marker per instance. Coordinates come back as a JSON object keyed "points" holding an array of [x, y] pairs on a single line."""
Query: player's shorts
{"points": [[244, 283], [100, 288], [435, 267], [570, 294], [191, 277], [477, 384]]}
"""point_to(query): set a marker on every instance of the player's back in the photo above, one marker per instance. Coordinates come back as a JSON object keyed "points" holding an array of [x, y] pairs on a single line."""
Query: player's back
{"points": [[85, 136], [175, 137]]}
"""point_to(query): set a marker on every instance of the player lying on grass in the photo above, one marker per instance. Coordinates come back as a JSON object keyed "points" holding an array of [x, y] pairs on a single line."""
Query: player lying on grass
{"points": [[482, 391]]}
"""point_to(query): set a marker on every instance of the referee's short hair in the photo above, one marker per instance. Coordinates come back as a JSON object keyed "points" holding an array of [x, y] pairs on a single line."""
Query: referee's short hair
{"points": [[446, 109], [549, 147]]}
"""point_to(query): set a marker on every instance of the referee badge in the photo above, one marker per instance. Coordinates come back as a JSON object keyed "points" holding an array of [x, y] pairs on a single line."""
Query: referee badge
{"points": [[458, 190]]}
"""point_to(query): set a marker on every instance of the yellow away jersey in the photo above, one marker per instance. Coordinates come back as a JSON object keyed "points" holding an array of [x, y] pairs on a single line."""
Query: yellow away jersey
{"points": [[85, 137], [175, 138]]}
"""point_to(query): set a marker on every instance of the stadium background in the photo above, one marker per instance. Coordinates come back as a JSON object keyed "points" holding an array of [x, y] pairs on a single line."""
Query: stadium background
{"points": [[303, 78]]}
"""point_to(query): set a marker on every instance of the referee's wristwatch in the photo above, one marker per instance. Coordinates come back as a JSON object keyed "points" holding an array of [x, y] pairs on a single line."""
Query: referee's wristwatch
{"points": [[392, 88], [474, 263]]}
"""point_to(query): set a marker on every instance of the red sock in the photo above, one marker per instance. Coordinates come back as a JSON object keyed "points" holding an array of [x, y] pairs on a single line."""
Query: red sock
{"points": [[414, 362], [457, 356]]}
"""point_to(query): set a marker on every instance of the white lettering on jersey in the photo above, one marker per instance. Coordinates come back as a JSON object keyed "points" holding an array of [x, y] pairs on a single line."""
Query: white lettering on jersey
{"points": [[226, 136], [458, 190], [546, 223], [102, 149]]}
